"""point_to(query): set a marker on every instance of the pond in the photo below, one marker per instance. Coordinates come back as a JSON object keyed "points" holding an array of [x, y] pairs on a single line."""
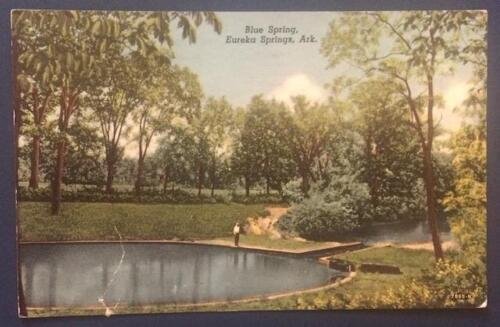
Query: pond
{"points": [[398, 232], [78, 275]]}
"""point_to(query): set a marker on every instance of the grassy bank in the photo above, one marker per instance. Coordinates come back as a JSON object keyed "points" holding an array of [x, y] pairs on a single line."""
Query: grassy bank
{"points": [[96, 221], [410, 261]]}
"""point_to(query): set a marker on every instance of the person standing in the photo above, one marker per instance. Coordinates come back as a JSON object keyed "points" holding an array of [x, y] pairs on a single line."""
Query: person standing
{"points": [[236, 232]]}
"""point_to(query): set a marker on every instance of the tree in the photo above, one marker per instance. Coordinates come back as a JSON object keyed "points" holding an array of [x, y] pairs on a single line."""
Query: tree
{"points": [[83, 163], [65, 60], [389, 149], [466, 202], [411, 49], [172, 94], [214, 126], [261, 150], [276, 163], [38, 102], [75, 41], [113, 100], [154, 115], [243, 161], [174, 154], [309, 134]]}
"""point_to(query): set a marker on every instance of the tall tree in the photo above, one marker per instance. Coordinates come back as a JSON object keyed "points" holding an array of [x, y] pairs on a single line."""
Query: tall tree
{"points": [[154, 115], [174, 155], [114, 99], [266, 121], [74, 42], [213, 128], [410, 48], [173, 97], [310, 131], [37, 101], [467, 200], [387, 163]]}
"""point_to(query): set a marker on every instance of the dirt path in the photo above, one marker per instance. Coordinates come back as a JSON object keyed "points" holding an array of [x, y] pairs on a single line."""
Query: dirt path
{"points": [[447, 245], [266, 225]]}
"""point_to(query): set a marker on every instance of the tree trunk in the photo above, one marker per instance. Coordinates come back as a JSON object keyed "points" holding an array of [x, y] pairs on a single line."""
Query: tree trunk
{"points": [[305, 181], [110, 174], [165, 180], [58, 176], [68, 104], [432, 216], [247, 186], [140, 175], [201, 173], [429, 175], [35, 163], [212, 177]]}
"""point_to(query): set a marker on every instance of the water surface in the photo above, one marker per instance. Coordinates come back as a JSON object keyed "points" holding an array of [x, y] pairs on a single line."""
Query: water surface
{"points": [[78, 275], [398, 232]]}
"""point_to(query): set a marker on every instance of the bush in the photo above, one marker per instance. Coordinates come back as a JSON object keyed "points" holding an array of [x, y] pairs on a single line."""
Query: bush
{"points": [[450, 284], [93, 194], [292, 191], [339, 207], [257, 198]]}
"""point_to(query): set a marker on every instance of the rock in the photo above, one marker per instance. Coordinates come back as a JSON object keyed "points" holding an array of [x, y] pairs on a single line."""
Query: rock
{"points": [[379, 268], [341, 265]]}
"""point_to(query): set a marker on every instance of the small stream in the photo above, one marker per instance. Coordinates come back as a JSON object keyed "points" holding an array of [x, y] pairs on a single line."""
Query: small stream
{"points": [[397, 232]]}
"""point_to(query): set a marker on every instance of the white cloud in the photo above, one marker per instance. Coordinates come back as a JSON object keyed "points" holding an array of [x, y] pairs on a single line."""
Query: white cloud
{"points": [[298, 84]]}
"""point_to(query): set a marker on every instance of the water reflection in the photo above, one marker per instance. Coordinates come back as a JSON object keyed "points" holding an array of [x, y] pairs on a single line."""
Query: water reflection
{"points": [[78, 275]]}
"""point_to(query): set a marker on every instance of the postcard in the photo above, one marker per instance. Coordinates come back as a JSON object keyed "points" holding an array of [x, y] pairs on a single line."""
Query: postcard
{"points": [[234, 161]]}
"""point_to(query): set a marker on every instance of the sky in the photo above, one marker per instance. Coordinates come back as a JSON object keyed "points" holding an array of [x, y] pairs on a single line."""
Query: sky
{"points": [[239, 71]]}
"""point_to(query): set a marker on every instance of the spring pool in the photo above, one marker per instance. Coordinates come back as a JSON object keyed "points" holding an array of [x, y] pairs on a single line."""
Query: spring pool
{"points": [[78, 275]]}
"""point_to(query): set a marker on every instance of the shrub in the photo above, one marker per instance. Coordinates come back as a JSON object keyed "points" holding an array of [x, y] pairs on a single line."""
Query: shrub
{"points": [[450, 284], [94, 194], [292, 191], [339, 207]]}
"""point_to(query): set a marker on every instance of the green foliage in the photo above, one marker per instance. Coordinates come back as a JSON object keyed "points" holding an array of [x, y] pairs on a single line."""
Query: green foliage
{"points": [[339, 207], [109, 61], [387, 160], [152, 196], [310, 132], [448, 285], [424, 284], [261, 147], [83, 152]]}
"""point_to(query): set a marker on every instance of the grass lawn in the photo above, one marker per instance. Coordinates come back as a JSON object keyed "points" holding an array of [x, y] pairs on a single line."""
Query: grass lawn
{"points": [[96, 221], [410, 261]]}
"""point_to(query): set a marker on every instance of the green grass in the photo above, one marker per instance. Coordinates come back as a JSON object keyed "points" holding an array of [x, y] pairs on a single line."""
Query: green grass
{"points": [[410, 261], [266, 242], [96, 221]]}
